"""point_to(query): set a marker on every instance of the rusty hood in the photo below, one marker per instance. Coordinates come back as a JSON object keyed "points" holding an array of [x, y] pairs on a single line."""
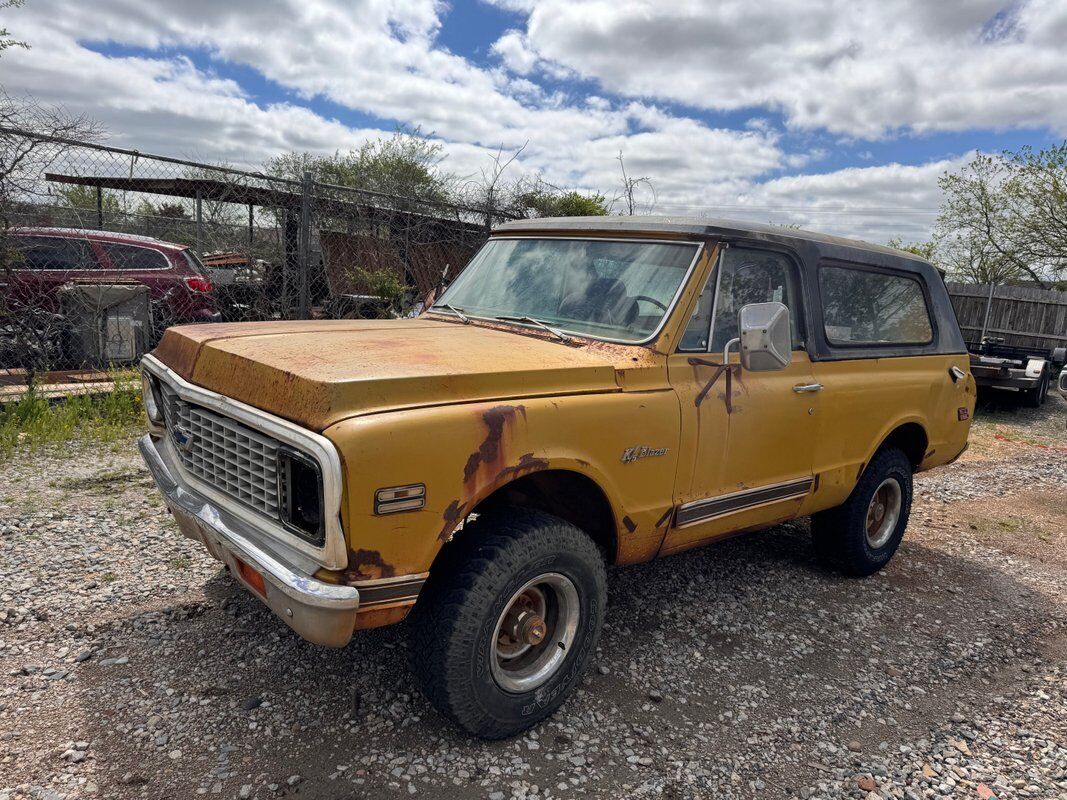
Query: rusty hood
{"points": [[316, 373]]}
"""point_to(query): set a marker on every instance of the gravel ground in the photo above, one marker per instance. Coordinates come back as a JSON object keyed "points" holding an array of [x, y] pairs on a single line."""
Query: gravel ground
{"points": [[132, 667]]}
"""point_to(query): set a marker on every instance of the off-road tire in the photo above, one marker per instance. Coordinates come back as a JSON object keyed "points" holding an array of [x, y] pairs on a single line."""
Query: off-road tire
{"points": [[452, 625], [840, 534]]}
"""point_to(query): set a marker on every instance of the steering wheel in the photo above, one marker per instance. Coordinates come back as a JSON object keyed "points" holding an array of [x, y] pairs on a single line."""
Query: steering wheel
{"points": [[652, 300]]}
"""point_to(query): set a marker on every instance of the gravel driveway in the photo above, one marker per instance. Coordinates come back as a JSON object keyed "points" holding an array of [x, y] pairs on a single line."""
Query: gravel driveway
{"points": [[130, 666]]}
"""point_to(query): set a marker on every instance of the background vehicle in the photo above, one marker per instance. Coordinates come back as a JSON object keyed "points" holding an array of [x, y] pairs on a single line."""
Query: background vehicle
{"points": [[47, 258], [1026, 370]]}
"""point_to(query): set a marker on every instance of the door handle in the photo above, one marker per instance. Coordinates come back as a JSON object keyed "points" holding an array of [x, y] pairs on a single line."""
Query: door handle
{"points": [[806, 388]]}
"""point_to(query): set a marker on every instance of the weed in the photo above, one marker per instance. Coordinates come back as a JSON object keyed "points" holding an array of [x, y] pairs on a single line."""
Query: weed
{"points": [[34, 421]]}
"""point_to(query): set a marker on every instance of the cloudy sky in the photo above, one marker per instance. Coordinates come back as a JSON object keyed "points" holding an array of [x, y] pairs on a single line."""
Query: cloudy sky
{"points": [[837, 115]]}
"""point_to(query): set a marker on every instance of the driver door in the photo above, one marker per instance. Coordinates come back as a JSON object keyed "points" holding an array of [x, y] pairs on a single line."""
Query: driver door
{"points": [[747, 437]]}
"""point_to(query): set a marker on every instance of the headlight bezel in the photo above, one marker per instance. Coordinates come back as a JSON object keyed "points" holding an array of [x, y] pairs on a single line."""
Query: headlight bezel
{"points": [[151, 398]]}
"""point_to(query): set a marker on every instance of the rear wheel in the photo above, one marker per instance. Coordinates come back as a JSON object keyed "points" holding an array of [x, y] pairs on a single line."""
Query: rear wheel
{"points": [[861, 535], [508, 620], [1035, 397]]}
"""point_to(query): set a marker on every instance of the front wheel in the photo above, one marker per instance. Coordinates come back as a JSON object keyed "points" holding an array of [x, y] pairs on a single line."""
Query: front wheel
{"points": [[861, 535], [508, 621]]}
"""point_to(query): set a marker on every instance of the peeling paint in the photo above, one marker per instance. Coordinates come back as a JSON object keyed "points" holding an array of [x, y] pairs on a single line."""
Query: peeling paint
{"points": [[453, 514], [367, 565]]}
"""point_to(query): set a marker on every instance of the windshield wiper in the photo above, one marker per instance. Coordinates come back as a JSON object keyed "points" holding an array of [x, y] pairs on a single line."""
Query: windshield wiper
{"points": [[462, 317], [562, 336]]}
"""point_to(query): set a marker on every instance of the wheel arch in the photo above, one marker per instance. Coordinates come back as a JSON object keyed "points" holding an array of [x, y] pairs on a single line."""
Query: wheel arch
{"points": [[562, 491], [911, 437]]}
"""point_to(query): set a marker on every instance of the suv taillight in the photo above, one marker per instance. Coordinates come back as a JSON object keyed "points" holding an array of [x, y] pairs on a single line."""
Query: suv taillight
{"points": [[198, 283]]}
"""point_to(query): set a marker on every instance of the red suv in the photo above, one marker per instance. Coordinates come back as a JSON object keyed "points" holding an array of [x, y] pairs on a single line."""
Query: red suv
{"points": [[47, 258]]}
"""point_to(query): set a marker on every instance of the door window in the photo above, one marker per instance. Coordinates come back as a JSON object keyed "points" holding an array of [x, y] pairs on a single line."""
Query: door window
{"points": [[51, 253], [748, 276], [129, 257]]}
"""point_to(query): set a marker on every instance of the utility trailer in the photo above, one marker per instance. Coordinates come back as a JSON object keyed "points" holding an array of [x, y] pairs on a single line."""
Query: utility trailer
{"points": [[1026, 370]]}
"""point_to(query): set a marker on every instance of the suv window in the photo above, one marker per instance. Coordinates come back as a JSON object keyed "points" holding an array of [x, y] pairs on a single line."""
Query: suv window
{"points": [[51, 253], [748, 276], [866, 307], [125, 256]]}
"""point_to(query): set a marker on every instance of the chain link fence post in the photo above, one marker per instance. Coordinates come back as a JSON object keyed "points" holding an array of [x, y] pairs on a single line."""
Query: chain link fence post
{"points": [[304, 248]]}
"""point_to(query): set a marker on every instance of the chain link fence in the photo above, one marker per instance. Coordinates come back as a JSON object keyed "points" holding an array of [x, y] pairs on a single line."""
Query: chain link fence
{"points": [[102, 249]]}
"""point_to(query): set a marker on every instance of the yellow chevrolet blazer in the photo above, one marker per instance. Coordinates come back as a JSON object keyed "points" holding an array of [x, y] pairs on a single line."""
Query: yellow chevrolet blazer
{"points": [[587, 392]]}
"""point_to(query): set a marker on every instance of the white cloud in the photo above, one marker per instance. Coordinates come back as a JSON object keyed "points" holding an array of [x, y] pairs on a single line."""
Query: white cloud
{"points": [[859, 68], [873, 203], [380, 57]]}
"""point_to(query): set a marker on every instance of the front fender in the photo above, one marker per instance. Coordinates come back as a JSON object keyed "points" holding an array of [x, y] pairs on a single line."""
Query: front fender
{"points": [[463, 453]]}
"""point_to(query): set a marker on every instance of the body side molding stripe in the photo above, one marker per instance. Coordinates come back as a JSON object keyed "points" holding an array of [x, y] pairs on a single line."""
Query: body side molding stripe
{"points": [[711, 507]]}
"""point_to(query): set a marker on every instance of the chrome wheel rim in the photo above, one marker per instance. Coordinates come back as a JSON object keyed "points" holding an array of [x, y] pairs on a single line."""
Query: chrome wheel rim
{"points": [[534, 633], [883, 513]]}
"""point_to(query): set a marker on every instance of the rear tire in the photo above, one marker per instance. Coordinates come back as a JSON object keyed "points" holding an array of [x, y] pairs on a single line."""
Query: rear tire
{"points": [[1034, 398], [508, 621], [860, 536]]}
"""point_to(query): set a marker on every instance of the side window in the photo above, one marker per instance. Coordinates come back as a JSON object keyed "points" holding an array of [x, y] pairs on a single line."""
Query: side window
{"points": [[866, 307], [51, 253], [124, 256], [754, 276]]}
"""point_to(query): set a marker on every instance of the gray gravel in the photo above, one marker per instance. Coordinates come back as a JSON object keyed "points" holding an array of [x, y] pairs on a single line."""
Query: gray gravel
{"points": [[131, 666]]}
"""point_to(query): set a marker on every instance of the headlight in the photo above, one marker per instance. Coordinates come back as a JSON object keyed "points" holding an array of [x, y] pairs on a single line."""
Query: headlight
{"points": [[300, 495], [150, 396]]}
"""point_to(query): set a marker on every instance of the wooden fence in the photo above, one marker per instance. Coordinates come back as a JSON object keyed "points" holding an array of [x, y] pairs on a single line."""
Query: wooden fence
{"points": [[1022, 315]]}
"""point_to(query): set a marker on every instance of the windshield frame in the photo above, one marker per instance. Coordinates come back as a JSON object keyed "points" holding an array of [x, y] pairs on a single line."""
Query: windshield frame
{"points": [[437, 308]]}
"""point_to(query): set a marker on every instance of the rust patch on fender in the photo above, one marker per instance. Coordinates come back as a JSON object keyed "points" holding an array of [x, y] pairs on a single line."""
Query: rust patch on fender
{"points": [[367, 565], [490, 452], [453, 514], [631, 526], [528, 462]]}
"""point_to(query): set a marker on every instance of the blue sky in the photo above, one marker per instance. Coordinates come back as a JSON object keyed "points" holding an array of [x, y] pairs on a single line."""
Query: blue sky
{"points": [[839, 117]]}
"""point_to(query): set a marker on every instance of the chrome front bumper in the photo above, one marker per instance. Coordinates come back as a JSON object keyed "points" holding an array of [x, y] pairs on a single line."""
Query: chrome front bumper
{"points": [[323, 613]]}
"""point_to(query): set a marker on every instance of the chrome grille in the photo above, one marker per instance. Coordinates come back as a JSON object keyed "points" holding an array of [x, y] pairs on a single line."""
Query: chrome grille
{"points": [[231, 457]]}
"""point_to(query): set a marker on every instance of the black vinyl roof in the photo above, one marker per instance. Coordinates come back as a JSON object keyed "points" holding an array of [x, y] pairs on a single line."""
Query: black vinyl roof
{"points": [[828, 246]]}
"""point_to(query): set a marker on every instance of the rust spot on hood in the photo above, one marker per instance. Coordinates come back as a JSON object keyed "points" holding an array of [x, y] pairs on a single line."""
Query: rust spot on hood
{"points": [[367, 565]]}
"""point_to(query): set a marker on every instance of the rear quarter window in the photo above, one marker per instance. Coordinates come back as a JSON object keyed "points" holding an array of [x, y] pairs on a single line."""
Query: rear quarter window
{"points": [[53, 253], [867, 307], [130, 257]]}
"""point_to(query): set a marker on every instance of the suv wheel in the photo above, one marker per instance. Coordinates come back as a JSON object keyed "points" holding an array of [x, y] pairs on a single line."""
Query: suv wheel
{"points": [[861, 535], [508, 620]]}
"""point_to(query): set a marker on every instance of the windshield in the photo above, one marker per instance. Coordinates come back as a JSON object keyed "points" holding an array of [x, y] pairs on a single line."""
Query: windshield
{"points": [[607, 289]]}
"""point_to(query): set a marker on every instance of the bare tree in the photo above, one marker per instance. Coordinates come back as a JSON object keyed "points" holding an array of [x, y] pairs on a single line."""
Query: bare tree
{"points": [[5, 35], [629, 190]]}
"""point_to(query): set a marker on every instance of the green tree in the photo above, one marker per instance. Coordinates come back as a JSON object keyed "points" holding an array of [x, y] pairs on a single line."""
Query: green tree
{"points": [[548, 202], [83, 198], [405, 165], [927, 250], [1005, 217]]}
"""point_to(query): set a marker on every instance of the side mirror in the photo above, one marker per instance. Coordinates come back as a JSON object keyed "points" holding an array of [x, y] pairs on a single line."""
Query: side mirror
{"points": [[766, 341]]}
